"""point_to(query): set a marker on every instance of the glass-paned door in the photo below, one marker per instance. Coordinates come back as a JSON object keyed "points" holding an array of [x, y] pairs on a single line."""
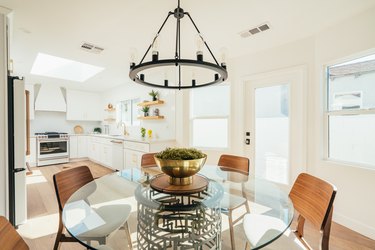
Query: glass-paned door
{"points": [[275, 134]]}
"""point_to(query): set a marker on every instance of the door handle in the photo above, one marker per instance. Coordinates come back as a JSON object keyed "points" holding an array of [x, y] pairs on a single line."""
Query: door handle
{"points": [[16, 170]]}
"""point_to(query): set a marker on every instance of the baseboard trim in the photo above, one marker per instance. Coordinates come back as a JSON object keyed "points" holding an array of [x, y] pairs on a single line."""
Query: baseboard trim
{"points": [[354, 225]]}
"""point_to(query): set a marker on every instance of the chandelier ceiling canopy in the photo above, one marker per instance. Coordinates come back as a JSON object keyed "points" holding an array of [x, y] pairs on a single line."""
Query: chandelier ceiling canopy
{"points": [[218, 72]]}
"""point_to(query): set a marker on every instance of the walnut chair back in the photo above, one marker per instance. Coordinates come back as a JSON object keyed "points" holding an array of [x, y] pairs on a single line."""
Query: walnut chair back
{"points": [[68, 181], [148, 160], [313, 200], [9, 238], [234, 163]]}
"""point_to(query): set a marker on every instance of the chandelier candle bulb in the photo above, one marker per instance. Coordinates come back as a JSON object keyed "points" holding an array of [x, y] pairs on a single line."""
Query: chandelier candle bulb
{"points": [[142, 77], [216, 77], [200, 56], [193, 83], [166, 83], [155, 56]]}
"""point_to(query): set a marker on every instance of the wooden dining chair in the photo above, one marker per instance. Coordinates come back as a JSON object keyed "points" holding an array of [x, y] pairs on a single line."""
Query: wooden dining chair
{"points": [[148, 160], [231, 202], [66, 183], [9, 238], [313, 199]]}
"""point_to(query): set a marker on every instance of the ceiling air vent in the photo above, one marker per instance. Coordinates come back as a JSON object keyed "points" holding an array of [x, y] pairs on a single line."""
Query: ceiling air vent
{"points": [[255, 30], [89, 47]]}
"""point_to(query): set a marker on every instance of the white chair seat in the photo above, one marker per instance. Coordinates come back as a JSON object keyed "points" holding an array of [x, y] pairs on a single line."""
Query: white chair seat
{"points": [[259, 228]]}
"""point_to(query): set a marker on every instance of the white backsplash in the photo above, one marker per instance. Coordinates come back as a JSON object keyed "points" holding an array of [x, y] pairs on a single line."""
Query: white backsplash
{"points": [[56, 121]]}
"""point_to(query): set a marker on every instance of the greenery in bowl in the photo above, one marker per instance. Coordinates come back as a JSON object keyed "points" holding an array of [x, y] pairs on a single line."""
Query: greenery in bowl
{"points": [[180, 154]]}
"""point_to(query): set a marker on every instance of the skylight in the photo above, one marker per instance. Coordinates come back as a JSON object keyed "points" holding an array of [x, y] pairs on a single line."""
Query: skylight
{"points": [[57, 67]]}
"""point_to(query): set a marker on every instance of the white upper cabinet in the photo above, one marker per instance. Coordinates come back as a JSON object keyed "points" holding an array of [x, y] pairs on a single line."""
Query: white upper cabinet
{"points": [[83, 106], [50, 98]]}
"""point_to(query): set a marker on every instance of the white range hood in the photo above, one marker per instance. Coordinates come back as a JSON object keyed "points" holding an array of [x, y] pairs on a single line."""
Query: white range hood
{"points": [[50, 98]]}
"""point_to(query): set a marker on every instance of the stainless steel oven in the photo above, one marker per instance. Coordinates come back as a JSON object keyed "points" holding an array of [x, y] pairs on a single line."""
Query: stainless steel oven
{"points": [[52, 148]]}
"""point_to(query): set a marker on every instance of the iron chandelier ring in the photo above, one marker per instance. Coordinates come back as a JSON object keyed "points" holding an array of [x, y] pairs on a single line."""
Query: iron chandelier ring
{"points": [[220, 70]]}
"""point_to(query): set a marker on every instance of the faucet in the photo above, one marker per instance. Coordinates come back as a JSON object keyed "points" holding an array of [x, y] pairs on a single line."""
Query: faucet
{"points": [[124, 131]]}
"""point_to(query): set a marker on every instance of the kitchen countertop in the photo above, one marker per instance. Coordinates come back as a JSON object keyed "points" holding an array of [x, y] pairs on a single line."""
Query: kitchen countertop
{"points": [[127, 138]]}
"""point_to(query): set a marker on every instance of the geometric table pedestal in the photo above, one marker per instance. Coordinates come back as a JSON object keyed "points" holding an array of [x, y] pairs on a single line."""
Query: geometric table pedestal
{"points": [[167, 221]]}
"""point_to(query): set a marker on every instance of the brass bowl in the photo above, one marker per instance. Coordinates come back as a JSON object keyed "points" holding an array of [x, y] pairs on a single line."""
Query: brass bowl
{"points": [[180, 172]]}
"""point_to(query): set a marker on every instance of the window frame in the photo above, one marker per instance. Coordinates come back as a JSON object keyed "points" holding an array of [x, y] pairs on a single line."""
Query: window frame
{"points": [[227, 117], [344, 112]]}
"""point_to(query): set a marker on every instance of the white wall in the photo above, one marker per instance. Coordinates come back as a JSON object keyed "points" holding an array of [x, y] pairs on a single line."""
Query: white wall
{"points": [[47, 121], [354, 203], [163, 129], [3, 118]]}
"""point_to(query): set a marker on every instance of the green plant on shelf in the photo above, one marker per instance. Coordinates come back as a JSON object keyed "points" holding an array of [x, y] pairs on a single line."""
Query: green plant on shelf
{"points": [[154, 95], [145, 110]]}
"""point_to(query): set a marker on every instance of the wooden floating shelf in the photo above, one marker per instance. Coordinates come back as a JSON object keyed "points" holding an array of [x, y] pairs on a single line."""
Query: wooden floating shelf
{"points": [[157, 102], [151, 117]]}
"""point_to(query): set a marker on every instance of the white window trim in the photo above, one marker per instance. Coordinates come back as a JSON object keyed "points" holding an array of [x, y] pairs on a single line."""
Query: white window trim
{"points": [[327, 113]]}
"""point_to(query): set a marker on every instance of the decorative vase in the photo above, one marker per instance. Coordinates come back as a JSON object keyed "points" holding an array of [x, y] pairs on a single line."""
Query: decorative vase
{"points": [[146, 114], [180, 172]]}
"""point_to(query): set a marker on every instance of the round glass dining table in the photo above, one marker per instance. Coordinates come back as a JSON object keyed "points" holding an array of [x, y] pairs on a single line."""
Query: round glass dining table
{"points": [[108, 211]]}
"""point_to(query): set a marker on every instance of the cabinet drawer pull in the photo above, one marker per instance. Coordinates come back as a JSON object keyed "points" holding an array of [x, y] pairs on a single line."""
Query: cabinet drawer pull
{"points": [[118, 142]]}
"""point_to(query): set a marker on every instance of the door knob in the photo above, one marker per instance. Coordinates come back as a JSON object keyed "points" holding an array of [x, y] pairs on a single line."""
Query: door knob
{"points": [[247, 141]]}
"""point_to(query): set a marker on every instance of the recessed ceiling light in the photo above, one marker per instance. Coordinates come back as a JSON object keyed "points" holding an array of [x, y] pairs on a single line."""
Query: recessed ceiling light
{"points": [[57, 67]]}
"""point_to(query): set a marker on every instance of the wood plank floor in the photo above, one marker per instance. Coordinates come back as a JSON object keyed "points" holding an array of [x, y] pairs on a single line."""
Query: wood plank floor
{"points": [[40, 230]]}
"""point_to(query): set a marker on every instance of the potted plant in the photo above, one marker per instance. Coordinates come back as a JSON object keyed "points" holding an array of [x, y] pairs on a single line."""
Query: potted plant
{"points": [[180, 164], [145, 110], [154, 95], [97, 130]]}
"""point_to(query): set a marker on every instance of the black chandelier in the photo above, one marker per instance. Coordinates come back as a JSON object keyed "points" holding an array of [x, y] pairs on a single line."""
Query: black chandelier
{"points": [[137, 71]]}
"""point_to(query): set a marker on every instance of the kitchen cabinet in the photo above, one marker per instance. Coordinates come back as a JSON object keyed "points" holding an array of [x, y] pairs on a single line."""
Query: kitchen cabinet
{"points": [[30, 88], [73, 147], [83, 106], [78, 146], [133, 151], [117, 154], [82, 146], [100, 151]]}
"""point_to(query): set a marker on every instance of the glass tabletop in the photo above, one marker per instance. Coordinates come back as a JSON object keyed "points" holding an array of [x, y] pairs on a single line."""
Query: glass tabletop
{"points": [[96, 213]]}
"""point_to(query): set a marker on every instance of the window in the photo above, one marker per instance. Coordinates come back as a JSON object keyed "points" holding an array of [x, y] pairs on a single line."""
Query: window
{"points": [[127, 112], [350, 115], [209, 116]]}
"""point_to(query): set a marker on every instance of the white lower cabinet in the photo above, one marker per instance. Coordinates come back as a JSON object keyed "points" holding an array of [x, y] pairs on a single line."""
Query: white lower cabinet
{"points": [[133, 151], [78, 146], [82, 146], [100, 150], [120, 154], [132, 158]]}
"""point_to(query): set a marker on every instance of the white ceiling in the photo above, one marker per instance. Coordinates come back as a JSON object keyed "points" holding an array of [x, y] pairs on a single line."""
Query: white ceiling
{"points": [[120, 26]]}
